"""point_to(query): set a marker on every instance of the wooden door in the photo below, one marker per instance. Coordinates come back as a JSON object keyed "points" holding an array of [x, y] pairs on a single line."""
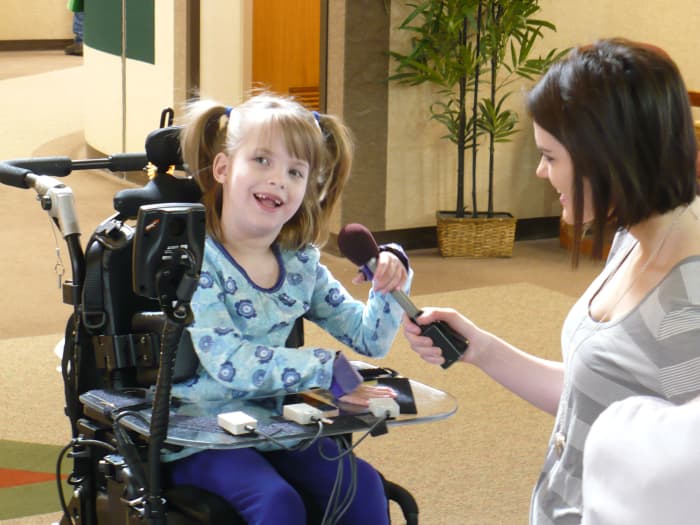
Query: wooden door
{"points": [[286, 48]]}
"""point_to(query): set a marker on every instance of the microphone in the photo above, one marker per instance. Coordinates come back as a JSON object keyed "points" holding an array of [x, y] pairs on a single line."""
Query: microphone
{"points": [[356, 243]]}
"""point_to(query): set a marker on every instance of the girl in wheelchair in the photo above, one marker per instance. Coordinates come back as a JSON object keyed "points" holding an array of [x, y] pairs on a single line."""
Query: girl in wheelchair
{"points": [[270, 173]]}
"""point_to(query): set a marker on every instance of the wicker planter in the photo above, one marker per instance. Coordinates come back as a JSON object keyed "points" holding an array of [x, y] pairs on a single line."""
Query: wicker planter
{"points": [[475, 236]]}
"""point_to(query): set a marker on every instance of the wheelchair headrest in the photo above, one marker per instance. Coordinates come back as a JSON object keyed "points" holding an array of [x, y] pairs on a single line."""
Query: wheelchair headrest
{"points": [[163, 148], [163, 151], [161, 189]]}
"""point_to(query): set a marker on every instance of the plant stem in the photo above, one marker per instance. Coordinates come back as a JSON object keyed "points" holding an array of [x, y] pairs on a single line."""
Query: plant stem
{"points": [[461, 131], [495, 15], [475, 105]]}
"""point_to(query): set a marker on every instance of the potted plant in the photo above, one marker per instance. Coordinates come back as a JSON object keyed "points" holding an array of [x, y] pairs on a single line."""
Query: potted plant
{"points": [[473, 51]]}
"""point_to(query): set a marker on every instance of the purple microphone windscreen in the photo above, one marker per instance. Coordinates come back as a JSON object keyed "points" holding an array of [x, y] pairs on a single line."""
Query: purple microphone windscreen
{"points": [[357, 244]]}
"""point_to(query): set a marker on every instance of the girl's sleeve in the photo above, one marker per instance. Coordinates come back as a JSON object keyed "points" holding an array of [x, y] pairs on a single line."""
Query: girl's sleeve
{"points": [[368, 328], [249, 368]]}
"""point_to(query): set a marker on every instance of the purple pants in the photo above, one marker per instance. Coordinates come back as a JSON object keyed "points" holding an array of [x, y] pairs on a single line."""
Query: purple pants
{"points": [[262, 486]]}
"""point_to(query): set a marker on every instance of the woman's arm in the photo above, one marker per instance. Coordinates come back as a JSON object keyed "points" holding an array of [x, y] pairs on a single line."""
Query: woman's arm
{"points": [[536, 380]]}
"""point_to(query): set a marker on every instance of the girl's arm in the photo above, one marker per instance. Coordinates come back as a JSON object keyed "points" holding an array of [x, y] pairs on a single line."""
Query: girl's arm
{"points": [[370, 327], [536, 380]]}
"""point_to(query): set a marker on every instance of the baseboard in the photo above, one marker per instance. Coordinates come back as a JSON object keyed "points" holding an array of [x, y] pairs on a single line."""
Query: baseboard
{"points": [[537, 228], [426, 237], [34, 45]]}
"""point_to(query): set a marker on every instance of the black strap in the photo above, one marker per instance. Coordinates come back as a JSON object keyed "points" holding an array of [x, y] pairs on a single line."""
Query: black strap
{"points": [[69, 371], [94, 316]]}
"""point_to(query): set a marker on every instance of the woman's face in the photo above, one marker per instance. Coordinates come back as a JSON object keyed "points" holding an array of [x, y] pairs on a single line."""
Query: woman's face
{"points": [[556, 166]]}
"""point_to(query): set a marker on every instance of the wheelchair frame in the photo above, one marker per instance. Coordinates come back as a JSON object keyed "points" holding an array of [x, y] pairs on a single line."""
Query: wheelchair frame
{"points": [[111, 483]]}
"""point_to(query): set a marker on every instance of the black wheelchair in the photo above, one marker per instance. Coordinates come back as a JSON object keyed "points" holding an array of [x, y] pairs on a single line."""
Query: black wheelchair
{"points": [[130, 293]]}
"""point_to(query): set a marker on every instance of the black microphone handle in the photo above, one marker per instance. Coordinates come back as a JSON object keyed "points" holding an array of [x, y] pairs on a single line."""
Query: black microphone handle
{"points": [[451, 343]]}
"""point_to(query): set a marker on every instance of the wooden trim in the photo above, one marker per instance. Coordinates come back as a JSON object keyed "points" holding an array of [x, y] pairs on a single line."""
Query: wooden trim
{"points": [[193, 47], [323, 57], [426, 237], [33, 45], [694, 97], [307, 96]]}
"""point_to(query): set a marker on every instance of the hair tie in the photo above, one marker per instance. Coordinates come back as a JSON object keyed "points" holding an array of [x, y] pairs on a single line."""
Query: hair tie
{"points": [[317, 117], [223, 122]]}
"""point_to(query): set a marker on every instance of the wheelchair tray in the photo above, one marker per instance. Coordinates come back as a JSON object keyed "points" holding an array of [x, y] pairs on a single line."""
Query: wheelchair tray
{"points": [[204, 432]]}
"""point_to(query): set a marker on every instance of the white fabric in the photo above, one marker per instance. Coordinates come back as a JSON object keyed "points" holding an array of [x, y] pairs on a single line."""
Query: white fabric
{"points": [[641, 464]]}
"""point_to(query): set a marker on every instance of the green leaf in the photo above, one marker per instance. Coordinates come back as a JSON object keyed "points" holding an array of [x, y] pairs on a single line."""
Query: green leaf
{"points": [[441, 53]]}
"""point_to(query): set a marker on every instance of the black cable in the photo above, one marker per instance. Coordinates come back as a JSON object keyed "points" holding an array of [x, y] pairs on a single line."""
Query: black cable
{"points": [[332, 498], [337, 507], [127, 448], [72, 443], [354, 446], [158, 429], [61, 496], [118, 415], [301, 447], [295, 448], [334, 508], [350, 494]]}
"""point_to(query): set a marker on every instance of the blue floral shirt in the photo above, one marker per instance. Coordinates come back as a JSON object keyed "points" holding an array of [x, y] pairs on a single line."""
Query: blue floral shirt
{"points": [[240, 330]]}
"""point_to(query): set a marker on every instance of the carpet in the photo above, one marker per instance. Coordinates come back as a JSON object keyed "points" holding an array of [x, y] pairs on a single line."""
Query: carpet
{"points": [[476, 467], [28, 479]]}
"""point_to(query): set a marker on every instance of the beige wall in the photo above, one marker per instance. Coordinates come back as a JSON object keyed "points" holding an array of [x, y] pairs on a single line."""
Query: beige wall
{"points": [[35, 20], [225, 55], [335, 76], [421, 167], [123, 99]]}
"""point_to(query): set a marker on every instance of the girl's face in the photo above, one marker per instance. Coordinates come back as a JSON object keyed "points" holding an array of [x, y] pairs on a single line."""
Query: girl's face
{"points": [[263, 186], [556, 166]]}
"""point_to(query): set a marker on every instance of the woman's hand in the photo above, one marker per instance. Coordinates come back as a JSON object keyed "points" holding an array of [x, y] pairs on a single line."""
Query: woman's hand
{"points": [[389, 275], [423, 345], [363, 393]]}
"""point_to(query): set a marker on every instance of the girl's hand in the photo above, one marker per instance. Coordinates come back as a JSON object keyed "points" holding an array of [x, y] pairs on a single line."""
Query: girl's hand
{"points": [[389, 275], [363, 393]]}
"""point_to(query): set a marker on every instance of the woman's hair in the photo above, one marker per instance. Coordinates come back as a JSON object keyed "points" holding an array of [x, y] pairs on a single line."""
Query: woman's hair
{"points": [[321, 140], [621, 110]]}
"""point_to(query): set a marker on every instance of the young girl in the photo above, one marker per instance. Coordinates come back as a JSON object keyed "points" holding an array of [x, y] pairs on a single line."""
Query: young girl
{"points": [[270, 172]]}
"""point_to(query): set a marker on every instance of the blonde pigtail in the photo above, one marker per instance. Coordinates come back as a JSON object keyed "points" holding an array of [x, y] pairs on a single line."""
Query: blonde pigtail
{"points": [[202, 138], [337, 164]]}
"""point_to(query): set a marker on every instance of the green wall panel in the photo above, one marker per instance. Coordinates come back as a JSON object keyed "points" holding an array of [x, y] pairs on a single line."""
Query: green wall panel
{"points": [[103, 28], [140, 30]]}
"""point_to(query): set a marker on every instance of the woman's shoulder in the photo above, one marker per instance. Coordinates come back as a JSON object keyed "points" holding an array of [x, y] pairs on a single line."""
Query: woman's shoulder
{"points": [[683, 281]]}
